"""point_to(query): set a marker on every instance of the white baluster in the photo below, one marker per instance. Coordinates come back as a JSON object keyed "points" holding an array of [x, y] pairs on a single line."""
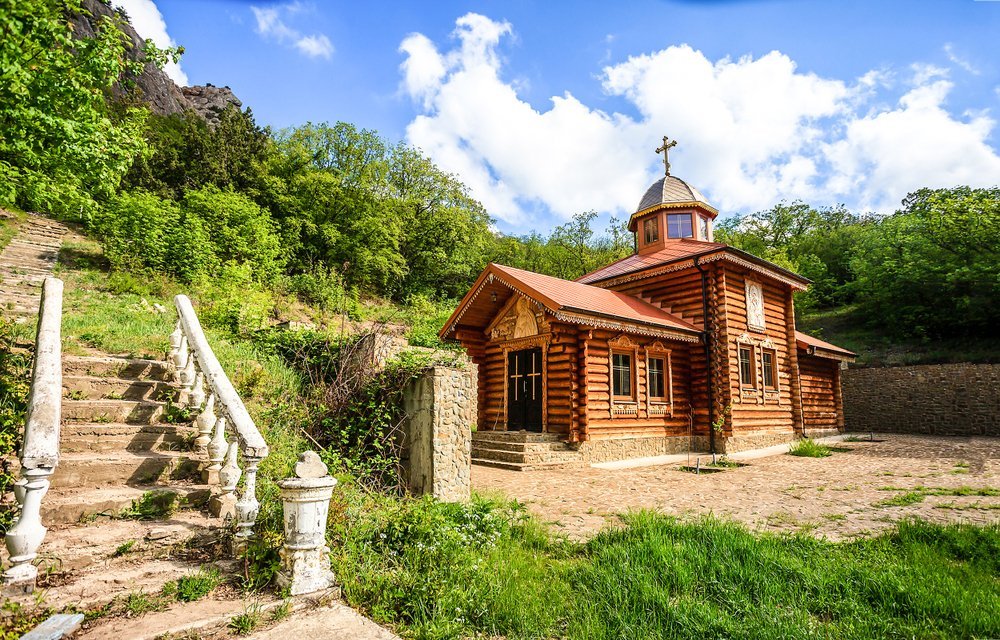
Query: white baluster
{"points": [[216, 453], [175, 341], [188, 373], [27, 535], [248, 506], [205, 421], [181, 355], [224, 504], [197, 396]]}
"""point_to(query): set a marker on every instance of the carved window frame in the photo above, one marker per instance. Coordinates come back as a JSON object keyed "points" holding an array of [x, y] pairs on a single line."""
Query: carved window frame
{"points": [[627, 407], [658, 350], [651, 230]]}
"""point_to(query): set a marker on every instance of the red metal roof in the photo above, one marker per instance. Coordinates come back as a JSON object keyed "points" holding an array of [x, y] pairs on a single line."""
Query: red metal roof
{"points": [[804, 341], [557, 295], [675, 250]]}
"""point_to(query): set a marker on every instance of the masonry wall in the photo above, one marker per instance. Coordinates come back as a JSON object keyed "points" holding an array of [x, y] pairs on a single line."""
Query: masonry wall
{"points": [[437, 451], [947, 399]]}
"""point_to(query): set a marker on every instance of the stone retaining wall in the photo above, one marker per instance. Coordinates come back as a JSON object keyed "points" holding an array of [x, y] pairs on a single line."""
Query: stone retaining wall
{"points": [[944, 399], [437, 452]]}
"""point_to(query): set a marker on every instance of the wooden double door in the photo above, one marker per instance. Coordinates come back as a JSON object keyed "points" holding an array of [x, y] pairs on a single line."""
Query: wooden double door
{"points": [[524, 390]]}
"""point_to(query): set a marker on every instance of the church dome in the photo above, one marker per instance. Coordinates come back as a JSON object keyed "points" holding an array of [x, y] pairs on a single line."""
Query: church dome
{"points": [[672, 191]]}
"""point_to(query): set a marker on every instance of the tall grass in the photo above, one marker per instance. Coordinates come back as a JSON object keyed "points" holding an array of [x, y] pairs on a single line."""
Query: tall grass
{"points": [[423, 567], [808, 448]]}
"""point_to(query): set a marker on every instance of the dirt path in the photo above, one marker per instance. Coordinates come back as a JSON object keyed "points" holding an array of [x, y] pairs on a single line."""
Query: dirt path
{"points": [[839, 497]]}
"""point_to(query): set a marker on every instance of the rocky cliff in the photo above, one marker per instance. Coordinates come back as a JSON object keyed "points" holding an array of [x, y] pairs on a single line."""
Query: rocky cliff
{"points": [[153, 86]]}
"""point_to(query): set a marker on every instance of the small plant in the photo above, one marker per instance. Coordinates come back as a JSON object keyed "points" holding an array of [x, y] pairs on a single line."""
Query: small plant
{"points": [[177, 414], [76, 394], [960, 467], [152, 505], [903, 499], [281, 611], [194, 586], [138, 603], [809, 448], [123, 548], [246, 622]]}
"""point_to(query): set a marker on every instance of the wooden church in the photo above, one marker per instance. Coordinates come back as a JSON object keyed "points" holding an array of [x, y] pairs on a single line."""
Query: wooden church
{"points": [[686, 345]]}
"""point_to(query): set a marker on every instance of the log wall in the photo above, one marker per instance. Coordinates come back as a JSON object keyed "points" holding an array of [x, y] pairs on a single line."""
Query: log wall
{"points": [[820, 380]]}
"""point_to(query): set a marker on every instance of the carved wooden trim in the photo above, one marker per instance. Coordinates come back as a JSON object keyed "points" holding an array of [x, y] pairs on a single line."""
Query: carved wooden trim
{"points": [[754, 295], [623, 345], [666, 404]]}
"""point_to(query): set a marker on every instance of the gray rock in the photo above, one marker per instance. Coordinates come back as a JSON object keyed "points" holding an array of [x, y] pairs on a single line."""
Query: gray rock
{"points": [[310, 466]]}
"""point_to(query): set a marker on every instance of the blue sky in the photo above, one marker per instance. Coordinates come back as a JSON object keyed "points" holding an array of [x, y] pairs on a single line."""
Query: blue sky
{"points": [[549, 108]]}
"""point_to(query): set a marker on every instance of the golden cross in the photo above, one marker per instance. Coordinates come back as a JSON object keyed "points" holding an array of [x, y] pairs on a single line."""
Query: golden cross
{"points": [[665, 148]]}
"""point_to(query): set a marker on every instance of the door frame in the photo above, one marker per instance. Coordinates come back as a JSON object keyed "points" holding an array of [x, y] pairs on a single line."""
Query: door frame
{"points": [[519, 344]]}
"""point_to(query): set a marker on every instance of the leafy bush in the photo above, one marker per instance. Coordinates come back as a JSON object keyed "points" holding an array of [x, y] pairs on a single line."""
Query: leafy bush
{"points": [[15, 377], [241, 231], [194, 586]]}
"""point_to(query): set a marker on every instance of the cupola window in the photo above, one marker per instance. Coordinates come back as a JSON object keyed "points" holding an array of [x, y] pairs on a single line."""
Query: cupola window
{"points": [[703, 227], [651, 230], [679, 226]]}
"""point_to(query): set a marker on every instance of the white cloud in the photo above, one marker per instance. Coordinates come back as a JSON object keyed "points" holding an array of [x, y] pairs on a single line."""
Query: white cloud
{"points": [[949, 50], [272, 26], [753, 131], [148, 23]]}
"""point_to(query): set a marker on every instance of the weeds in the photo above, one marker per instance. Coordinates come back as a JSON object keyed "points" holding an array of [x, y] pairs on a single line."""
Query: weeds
{"points": [[138, 603], [809, 448], [152, 505], [125, 547], [245, 623], [194, 586]]}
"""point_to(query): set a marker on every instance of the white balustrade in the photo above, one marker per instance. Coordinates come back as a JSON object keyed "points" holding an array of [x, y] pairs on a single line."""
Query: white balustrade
{"points": [[40, 450], [206, 384]]}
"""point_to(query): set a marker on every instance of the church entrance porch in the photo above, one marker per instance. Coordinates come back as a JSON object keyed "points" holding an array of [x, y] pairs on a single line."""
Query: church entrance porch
{"points": [[524, 390]]}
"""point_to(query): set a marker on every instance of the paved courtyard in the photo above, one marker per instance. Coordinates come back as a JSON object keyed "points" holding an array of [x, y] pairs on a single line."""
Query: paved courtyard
{"points": [[862, 489]]}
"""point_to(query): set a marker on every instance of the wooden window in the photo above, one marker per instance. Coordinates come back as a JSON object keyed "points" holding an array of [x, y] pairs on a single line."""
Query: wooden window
{"points": [[651, 230], [747, 378], [703, 227], [656, 374], [679, 226], [769, 361], [621, 375]]}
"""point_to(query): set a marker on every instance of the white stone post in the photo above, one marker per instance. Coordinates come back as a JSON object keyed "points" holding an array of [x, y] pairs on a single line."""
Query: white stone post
{"points": [[197, 396], [27, 535], [205, 421], [181, 354], [305, 558], [216, 453], [247, 507], [188, 373], [223, 505], [175, 342]]}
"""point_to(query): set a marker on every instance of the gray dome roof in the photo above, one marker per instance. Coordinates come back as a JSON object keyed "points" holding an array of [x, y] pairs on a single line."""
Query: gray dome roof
{"points": [[668, 190]]}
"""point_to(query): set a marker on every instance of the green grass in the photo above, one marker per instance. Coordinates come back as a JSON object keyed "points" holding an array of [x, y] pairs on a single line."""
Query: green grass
{"points": [[809, 449], [486, 570], [152, 505], [194, 586], [9, 226], [903, 499]]}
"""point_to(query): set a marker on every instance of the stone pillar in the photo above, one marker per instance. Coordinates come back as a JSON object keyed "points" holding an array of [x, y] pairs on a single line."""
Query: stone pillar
{"points": [[305, 558], [27, 534], [441, 409]]}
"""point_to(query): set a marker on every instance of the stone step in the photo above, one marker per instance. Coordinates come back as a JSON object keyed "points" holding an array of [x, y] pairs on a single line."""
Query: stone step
{"points": [[78, 387], [101, 437], [127, 411], [525, 447], [8, 267], [127, 468], [524, 457], [518, 466], [70, 506], [124, 368], [515, 436]]}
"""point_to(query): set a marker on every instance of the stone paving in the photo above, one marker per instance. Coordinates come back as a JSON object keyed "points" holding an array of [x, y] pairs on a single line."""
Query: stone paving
{"points": [[837, 497]]}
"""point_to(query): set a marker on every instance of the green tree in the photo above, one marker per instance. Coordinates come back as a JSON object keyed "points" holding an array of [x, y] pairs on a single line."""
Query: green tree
{"points": [[61, 145]]}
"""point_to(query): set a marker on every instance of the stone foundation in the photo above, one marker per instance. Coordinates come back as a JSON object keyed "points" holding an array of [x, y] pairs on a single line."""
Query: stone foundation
{"points": [[821, 433], [612, 449], [437, 444], [748, 441]]}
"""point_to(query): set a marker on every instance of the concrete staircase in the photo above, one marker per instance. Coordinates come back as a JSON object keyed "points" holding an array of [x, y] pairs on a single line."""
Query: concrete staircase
{"points": [[523, 451], [24, 264]]}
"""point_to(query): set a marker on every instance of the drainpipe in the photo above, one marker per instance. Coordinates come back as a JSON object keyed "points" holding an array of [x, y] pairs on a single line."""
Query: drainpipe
{"points": [[707, 339]]}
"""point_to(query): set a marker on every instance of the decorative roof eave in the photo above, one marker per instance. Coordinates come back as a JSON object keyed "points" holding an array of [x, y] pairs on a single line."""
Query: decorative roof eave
{"points": [[574, 316], [613, 324], [820, 352], [689, 204], [798, 282]]}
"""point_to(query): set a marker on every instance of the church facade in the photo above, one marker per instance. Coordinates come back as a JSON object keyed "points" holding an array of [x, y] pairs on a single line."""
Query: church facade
{"points": [[685, 345]]}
